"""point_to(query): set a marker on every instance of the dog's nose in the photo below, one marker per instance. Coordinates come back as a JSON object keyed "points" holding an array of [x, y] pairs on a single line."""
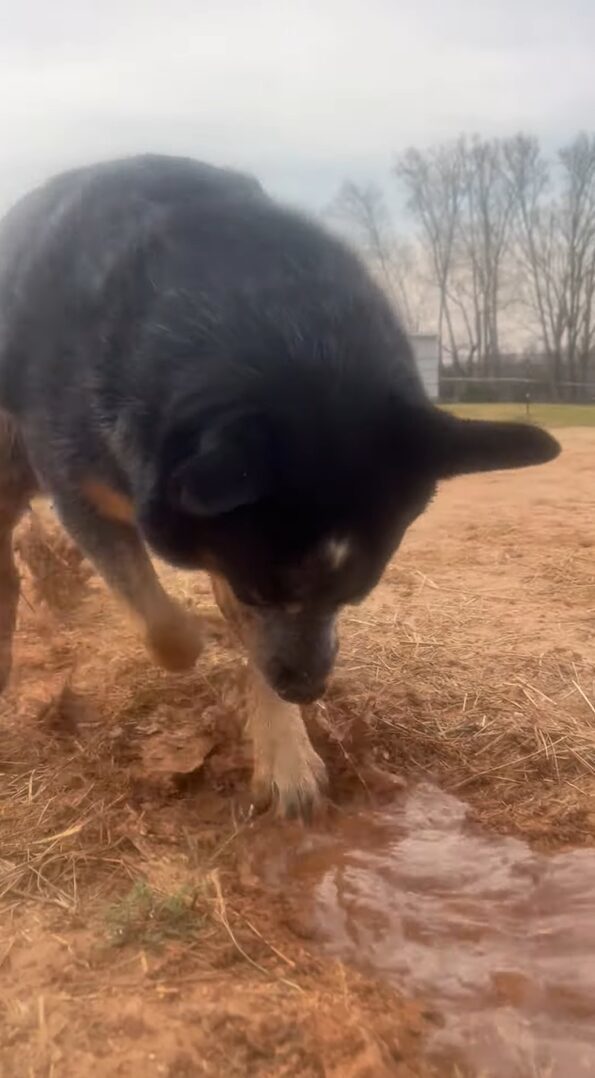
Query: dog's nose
{"points": [[295, 685]]}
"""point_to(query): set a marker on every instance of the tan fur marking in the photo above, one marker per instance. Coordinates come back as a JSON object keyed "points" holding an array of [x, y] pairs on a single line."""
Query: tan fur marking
{"points": [[17, 485], [172, 634], [234, 612], [110, 503], [337, 551], [286, 767]]}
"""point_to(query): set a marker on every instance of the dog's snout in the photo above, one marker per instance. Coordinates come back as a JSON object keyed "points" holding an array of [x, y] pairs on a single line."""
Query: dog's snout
{"points": [[285, 674], [297, 656], [296, 685], [301, 677]]}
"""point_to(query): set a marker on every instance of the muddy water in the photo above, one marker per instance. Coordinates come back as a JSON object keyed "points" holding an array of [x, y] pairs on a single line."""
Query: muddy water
{"points": [[499, 938]]}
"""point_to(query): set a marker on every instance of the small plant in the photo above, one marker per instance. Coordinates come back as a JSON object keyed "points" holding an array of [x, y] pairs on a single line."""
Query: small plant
{"points": [[146, 917]]}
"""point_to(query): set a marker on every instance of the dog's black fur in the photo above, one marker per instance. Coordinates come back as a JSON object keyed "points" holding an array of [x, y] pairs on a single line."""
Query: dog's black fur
{"points": [[233, 373]]}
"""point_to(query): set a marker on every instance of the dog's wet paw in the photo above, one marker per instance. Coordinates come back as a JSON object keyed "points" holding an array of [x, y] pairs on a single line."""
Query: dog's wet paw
{"points": [[294, 782]]}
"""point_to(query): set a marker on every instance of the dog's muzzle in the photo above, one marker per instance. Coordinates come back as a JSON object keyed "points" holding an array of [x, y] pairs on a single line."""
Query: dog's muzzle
{"points": [[297, 658]]}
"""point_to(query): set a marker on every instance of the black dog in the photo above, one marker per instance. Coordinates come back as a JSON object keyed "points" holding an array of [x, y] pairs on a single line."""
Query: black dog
{"points": [[185, 363]]}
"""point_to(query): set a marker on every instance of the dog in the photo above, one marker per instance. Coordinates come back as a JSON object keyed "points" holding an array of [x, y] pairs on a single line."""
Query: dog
{"points": [[189, 368]]}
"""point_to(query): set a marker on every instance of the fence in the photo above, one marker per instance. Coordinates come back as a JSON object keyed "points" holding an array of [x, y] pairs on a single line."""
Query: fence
{"points": [[476, 390]]}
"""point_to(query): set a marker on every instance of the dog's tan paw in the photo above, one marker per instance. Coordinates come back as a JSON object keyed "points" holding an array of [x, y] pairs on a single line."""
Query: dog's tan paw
{"points": [[176, 641], [294, 779]]}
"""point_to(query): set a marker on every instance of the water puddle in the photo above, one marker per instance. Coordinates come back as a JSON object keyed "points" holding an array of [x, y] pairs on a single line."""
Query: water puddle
{"points": [[499, 938]]}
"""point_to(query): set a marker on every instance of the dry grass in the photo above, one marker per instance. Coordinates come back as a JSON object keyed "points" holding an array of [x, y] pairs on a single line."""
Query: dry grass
{"points": [[425, 691], [73, 838], [513, 730], [58, 572], [65, 809], [57, 817], [531, 716]]}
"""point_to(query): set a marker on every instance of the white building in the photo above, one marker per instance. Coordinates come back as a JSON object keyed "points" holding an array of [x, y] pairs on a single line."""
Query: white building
{"points": [[425, 349]]}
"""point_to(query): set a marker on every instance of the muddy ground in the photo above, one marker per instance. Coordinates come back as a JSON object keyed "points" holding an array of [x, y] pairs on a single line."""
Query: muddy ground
{"points": [[136, 934]]}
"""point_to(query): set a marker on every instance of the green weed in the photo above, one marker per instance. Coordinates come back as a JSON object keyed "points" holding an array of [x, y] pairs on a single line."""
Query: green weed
{"points": [[143, 916]]}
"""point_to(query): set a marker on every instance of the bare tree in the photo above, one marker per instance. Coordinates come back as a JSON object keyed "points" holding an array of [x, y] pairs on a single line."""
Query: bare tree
{"points": [[577, 227], [485, 230], [364, 211], [555, 237], [529, 177], [434, 182], [503, 232], [460, 197]]}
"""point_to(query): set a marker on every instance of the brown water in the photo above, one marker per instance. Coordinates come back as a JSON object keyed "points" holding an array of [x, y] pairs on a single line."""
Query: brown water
{"points": [[499, 938]]}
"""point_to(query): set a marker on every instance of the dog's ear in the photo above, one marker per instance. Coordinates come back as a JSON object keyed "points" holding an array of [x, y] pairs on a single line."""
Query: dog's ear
{"points": [[229, 467], [458, 446]]}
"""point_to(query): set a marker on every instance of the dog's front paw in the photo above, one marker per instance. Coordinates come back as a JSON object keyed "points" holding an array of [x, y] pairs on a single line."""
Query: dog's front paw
{"points": [[293, 778], [176, 640]]}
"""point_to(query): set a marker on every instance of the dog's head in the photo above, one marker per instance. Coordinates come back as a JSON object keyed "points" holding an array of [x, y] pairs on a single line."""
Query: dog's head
{"points": [[300, 522]]}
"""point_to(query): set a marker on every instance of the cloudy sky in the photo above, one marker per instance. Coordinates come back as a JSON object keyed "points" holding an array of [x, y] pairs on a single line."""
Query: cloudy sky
{"points": [[301, 92]]}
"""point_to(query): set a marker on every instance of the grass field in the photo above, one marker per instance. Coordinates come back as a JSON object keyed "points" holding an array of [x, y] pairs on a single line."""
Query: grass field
{"points": [[545, 415]]}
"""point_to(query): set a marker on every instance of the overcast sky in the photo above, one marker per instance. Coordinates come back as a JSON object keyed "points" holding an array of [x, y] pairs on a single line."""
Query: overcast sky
{"points": [[301, 92]]}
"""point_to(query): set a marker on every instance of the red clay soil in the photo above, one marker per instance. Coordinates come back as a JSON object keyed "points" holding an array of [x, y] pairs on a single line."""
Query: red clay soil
{"points": [[135, 936]]}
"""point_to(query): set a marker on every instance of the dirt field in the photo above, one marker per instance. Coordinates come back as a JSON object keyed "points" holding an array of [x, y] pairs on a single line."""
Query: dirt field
{"points": [[136, 936]]}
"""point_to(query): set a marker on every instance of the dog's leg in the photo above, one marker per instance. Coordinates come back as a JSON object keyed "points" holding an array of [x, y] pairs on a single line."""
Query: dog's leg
{"points": [[17, 486], [287, 770], [286, 767], [116, 549]]}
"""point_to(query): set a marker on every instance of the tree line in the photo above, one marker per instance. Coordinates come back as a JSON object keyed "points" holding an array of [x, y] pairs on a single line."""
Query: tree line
{"points": [[502, 254]]}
